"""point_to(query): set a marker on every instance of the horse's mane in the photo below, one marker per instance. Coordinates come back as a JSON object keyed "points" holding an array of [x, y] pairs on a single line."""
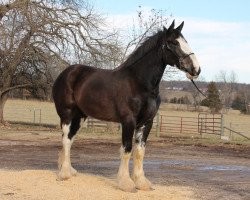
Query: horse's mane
{"points": [[149, 43]]}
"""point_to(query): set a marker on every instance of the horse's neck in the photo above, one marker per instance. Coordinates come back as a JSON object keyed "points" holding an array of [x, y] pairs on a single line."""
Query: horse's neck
{"points": [[149, 71]]}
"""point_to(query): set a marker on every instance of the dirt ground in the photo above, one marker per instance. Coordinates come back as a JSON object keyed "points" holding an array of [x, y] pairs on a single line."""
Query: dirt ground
{"points": [[178, 169]]}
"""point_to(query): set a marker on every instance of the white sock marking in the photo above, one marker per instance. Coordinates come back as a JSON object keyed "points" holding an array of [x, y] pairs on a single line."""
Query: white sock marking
{"points": [[124, 165], [138, 155], [66, 145]]}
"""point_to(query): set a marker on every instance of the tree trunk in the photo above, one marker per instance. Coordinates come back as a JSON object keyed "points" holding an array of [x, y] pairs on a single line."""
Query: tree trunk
{"points": [[3, 99]]}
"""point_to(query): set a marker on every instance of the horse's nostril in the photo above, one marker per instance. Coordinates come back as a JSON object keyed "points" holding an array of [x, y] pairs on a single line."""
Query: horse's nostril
{"points": [[193, 71], [196, 73], [199, 71]]}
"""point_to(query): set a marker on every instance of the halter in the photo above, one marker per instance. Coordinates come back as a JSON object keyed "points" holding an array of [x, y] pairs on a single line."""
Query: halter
{"points": [[180, 58]]}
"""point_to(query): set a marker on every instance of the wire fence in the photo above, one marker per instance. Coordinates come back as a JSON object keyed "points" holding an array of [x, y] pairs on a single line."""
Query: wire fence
{"points": [[237, 130]]}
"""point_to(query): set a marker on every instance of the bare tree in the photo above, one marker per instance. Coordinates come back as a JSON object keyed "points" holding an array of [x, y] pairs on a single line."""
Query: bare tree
{"points": [[246, 96], [145, 25], [36, 36], [227, 88]]}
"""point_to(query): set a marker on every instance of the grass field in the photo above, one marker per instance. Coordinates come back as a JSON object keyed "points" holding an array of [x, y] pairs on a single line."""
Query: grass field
{"points": [[29, 111], [23, 111]]}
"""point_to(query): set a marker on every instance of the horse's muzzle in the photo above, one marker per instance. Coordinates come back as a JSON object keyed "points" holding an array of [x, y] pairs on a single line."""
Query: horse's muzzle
{"points": [[193, 74]]}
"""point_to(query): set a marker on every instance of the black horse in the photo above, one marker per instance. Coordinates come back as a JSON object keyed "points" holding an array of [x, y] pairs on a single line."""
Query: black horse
{"points": [[128, 94]]}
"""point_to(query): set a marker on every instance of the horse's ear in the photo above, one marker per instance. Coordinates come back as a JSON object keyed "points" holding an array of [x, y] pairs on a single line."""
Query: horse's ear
{"points": [[179, 28], [171, 27]]}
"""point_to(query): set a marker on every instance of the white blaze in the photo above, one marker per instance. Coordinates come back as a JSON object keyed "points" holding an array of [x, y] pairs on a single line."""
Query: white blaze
{"points": [[184, 45], [187, 50]]}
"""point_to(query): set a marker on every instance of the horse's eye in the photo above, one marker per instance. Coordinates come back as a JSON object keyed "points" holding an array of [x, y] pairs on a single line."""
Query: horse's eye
{"points": [[174, 42]]}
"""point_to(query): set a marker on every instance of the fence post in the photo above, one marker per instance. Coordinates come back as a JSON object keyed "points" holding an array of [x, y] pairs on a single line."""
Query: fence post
{"points": [[181, 126], [199, 123], [213, 124], [34, 115], [157, 125], [40, 116], [202, 126], [222, 125], [231, 133]]}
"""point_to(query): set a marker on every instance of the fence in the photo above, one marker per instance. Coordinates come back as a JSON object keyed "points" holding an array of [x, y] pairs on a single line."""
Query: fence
{"points": [[35, 112], [204, 123], [95, 125], [236, 130], [232, 132], [210, 123], [31, 112], [178, 124]]}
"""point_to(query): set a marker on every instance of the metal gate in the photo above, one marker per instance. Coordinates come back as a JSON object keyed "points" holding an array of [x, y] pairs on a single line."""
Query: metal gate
{"points": [[178, 124], [204, 123], [210, 123]]}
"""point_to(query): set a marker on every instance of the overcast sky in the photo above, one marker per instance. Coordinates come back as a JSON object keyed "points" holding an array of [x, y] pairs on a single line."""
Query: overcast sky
{"points": [[218, 31]]}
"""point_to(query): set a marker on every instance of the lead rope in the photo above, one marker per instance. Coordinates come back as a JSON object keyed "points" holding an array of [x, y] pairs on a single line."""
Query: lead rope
{"points": [[198, 88]]}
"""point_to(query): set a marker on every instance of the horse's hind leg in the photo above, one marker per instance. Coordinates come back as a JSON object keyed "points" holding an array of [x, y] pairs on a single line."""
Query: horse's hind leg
{"points": [[138, 176], [69, 129]]}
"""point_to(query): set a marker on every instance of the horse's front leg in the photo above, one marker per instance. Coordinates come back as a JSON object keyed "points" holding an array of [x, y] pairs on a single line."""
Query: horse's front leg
{"points": [[141, 135], [125, 183]]}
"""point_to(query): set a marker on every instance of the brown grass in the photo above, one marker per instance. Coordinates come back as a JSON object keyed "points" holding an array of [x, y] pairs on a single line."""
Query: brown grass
{"points": [[23, 111]]}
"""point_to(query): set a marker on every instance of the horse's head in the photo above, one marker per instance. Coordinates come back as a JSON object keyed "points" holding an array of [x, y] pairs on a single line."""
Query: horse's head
{"points": [[178, 53]]}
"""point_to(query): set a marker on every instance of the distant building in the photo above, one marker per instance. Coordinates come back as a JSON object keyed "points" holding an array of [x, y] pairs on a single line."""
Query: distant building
{"points": [[178, 88]]}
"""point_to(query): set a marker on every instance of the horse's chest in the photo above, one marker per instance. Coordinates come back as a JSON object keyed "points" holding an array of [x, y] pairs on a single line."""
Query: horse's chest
{"points": [[146, 106], [150, 108], [145, 109]]}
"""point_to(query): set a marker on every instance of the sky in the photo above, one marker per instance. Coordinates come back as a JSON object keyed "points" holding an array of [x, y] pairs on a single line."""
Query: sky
{"points": [[218, 31]]}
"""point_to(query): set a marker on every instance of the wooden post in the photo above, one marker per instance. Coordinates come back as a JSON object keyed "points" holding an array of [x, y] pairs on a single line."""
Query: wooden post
{"points": [[161, 123], [40, 116], [157, 125], [231, 133], [34, 115], [213, 123], [222, 125], [181, 126], [202, 126], [199, 123]]}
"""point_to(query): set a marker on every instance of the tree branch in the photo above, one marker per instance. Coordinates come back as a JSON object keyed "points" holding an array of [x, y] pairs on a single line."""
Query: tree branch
{"points": [[14, 87]]}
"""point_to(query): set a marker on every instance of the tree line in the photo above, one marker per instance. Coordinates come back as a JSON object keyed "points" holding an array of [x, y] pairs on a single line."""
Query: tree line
{"points": [[219, 95]]}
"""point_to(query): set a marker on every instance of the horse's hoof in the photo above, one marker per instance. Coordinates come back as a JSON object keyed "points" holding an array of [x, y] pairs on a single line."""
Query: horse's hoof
{"points": [[127, 185], [73, 171], [62, 176], [143, 183]]}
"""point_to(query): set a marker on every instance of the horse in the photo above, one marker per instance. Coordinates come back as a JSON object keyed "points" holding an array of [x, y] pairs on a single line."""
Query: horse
{"points": [[128, 94]]}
